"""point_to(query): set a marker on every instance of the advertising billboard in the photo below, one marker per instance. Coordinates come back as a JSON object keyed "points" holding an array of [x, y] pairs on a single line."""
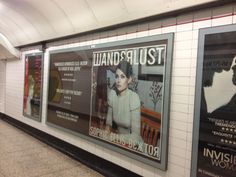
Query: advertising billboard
{"points": [[115, 94], [32, 86], [215, 106]]}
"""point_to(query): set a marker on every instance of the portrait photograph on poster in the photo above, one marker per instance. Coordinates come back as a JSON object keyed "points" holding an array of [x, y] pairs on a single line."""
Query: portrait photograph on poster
{"points": [[115, 94], [217, 107], [32, 86], [127, 111]]}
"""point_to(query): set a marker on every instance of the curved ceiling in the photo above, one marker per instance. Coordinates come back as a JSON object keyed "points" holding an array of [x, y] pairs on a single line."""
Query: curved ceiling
{"points": [[29, 21], [7, 51]]}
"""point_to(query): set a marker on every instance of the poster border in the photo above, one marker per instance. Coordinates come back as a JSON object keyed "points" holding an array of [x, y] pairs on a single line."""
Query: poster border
{"points": [[196, 119], [169, 37], [41, 86]]}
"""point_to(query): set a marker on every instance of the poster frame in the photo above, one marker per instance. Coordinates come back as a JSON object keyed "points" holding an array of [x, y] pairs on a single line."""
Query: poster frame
{"points": [[197, 103], [41, 85], [166, 96]]}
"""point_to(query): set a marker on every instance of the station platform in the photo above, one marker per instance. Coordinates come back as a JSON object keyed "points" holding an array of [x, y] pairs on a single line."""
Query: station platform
{"points": [[22, 155]]}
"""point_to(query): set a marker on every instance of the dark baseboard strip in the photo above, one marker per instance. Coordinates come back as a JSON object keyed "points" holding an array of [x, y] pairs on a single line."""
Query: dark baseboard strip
{"points": [[101, 165]]}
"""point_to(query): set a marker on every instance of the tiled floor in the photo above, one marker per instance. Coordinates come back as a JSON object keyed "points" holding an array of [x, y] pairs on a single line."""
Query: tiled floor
{"points": [[21, 155]]}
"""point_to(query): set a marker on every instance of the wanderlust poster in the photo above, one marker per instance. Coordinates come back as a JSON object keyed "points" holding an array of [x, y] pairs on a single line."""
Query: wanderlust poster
{"points": [[113, 95], [217, 131], [127, 97], [32, 86]]}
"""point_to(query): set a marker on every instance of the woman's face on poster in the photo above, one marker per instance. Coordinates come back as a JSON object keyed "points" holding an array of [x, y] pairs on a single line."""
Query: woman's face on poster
{"points": [[233, 67], [121, 81]]}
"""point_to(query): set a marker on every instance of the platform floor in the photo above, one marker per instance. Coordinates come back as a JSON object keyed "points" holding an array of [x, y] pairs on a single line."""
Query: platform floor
{"points": [[21, 155]]}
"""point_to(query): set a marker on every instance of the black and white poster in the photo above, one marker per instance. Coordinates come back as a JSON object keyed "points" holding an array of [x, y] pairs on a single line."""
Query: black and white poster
{"points": [[217, 129]]}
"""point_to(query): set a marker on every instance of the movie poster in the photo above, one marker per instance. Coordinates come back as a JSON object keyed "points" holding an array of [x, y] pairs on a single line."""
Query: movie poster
{"points": [[127, 98], [217, 131], [69, 95], [32, 86]]}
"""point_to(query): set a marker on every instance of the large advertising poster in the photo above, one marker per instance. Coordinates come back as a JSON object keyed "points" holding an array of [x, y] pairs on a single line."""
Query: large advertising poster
{"points": [[116, 94], [32, 86], [217, 129]]}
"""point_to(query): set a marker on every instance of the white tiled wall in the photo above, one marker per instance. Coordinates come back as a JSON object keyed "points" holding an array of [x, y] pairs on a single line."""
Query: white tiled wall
{"points": [[14, 88], [185, 28], [2, 85]]}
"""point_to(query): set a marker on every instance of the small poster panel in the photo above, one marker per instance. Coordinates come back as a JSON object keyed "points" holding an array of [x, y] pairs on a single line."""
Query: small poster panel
{"points": [[70, 90], [32, 86], [216, 153]]}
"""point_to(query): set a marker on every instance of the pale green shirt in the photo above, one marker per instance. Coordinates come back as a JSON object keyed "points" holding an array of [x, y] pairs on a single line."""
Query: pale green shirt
{"points": [[125, 112]]}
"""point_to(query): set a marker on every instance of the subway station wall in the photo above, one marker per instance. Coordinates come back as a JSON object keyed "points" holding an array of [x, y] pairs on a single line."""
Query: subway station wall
{"points": [[2, 85], [185, 28]]}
